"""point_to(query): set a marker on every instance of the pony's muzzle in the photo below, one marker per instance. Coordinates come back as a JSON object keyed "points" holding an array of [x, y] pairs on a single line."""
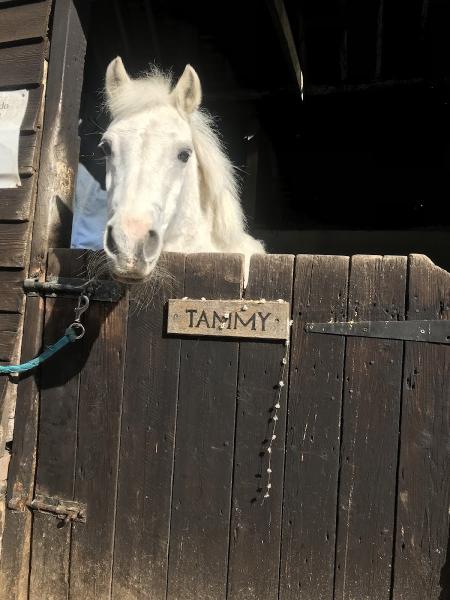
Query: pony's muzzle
{"points": [[131, 259]]}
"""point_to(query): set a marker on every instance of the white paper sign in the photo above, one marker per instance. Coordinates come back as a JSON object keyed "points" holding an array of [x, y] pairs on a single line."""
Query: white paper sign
{"points": [[12, 110]]}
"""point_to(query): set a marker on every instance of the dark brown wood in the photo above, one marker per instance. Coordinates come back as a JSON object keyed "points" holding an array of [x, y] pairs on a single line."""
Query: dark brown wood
{"points": [[13, 244], [147, 442], [33, 115], [369, 441], [313, 432], [198, 551], [9, 324], [421, 565], [15, 556], [49, 574], [16, 203], [189, 521], [12, 296], [22, 65], [60, 143], [24, 22], [99, 414], [28, 155], [256, 530]]}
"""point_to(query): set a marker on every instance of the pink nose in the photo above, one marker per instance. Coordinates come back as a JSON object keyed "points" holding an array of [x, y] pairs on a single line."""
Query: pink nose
{"points": [[136, 228]]}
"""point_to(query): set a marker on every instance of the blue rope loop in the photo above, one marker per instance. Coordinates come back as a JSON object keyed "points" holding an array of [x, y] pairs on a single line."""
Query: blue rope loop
{"points": [[71, 335]]}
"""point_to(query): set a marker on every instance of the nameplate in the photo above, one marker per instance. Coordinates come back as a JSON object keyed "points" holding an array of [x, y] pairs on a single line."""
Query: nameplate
{"points": [[229, 318]]}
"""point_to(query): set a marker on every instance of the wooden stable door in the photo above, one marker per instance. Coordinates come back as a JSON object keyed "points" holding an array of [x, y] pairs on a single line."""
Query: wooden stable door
{"points": [[160, 439]]}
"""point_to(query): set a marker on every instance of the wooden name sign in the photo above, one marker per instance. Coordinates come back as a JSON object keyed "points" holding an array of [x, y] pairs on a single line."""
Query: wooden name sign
{"points": [[229, 318]]}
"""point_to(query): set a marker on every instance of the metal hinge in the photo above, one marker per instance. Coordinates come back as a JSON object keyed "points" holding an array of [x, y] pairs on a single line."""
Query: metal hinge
{"points": [[66, 510], [437, 332], [102, 290]]}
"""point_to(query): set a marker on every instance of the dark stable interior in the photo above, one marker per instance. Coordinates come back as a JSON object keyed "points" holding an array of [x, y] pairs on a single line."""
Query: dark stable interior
{"points": [[360, 165]]}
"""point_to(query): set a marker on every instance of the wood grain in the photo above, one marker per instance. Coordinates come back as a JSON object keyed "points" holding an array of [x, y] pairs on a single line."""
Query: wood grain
{"points": [[24, 21], [369, 441], [22, 65], [32, 119], [12, 296], [99, 415], [422, 553], [313, 430], [147, 443], [15, 203], [28, 155], [201, 502], [49, 574], [16, 541], [256, 529], [13, 244]]}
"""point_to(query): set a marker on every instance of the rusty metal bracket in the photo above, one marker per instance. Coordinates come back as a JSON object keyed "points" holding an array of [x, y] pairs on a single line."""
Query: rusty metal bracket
{"points": [[66, 510], [101, 290], [437, 332]]}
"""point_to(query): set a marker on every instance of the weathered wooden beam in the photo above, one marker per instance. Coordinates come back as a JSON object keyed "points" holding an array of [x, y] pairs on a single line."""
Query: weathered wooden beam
{"points": [[347, 88], [15, 203], [26, 21], [22, 65], [60, 143], [283, 26]]}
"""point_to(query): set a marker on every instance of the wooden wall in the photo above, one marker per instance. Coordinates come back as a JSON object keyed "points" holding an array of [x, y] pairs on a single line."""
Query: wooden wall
{"points": [[23, 51], [164, 439], [23, 65]]}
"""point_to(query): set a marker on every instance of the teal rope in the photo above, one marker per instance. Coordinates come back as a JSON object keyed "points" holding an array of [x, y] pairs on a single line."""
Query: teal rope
{"points": [[68, 337]]}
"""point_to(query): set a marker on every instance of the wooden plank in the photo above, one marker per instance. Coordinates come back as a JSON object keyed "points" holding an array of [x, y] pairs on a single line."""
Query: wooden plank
{"points": [[15, 203], [147, 443], [15, 2], [49, 576], [281, 20], [22, 65], [13, 244], [9, 325], [99, 414], [60, 142], [28, 155], [229, 318], [9, 322], [201, 499], [370, 425], [33, 114], [24, 22], [421, 565], [12, 296], [15, 556], [255, 529], [313, 431]]}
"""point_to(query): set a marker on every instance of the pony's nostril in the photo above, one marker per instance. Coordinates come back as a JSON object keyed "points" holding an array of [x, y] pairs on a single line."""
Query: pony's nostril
{"points": [[110, 242], [151, 244]]}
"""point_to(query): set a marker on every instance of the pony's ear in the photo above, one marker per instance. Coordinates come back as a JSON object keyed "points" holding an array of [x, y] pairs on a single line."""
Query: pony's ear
{"points": [[116, 76], [188, 91]]}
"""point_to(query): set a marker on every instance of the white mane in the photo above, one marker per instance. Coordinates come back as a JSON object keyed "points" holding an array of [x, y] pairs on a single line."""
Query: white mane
{"points": [[219, 189]]}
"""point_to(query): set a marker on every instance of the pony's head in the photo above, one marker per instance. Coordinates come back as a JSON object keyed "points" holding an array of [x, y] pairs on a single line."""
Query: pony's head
{"points": [[150, 157]]}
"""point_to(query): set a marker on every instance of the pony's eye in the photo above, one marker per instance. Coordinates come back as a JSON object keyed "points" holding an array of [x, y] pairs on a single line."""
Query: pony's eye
{"points": [[105, 147], [184, 155]]}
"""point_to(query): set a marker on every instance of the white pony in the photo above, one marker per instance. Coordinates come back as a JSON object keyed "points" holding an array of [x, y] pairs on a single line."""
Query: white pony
{"points": [[170, 185]]}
